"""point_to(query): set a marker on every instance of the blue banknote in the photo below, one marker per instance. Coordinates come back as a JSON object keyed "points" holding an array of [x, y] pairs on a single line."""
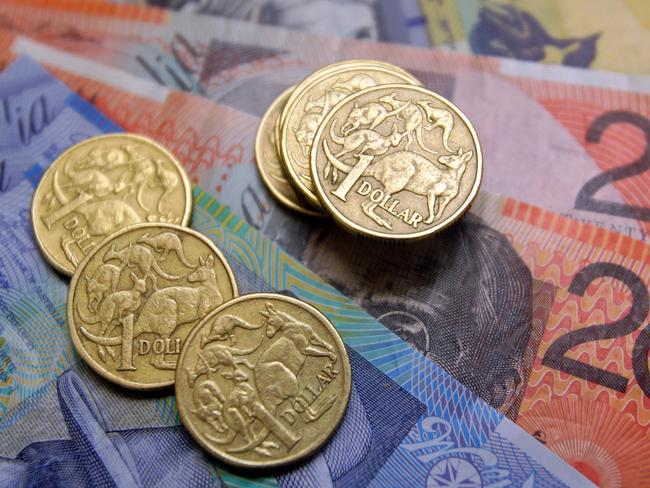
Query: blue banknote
{"points": [[54, 432], [409, 423], [31, 100], [32, 294]]}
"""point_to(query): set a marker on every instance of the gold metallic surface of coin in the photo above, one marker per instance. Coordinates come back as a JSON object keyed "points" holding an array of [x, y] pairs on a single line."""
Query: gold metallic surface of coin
{"points": [[134, 299], [396, 162], [268, 161], [316, 97], [342, 66], [100, 186], [277, 133], [263, 381]]}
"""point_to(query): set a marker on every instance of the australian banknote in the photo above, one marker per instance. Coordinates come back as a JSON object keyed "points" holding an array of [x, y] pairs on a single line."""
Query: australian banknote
{"points": [[386, 20], [542, 87], [97, 433], [24, 112], [599, 34], [469, 300], [63, 426], [54, 432], [527, 115]]}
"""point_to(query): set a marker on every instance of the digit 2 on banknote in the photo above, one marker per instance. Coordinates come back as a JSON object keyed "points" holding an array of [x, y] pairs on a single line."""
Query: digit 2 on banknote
{"points": [[585, 199], [555, 355]]}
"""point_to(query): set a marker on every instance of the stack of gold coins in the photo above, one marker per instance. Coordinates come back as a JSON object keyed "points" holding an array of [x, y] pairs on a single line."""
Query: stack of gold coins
{"points": [[153, 304], [364, 142]]}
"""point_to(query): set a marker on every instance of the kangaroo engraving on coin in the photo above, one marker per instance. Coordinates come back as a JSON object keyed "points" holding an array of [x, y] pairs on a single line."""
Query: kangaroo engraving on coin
{"points": [[263, 381], [137, 295], [396, 162], [268, 160], [100, 186], [314, 99]]}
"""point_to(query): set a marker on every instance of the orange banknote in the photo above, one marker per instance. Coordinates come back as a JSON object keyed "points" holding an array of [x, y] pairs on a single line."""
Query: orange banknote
{"points": [[567, 139], [542, 316], [587, 396], [209, 139]]}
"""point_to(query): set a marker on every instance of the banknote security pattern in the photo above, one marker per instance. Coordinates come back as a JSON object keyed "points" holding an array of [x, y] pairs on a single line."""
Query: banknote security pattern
{"points": [[141, 282], [330, 458], [137, 294]]}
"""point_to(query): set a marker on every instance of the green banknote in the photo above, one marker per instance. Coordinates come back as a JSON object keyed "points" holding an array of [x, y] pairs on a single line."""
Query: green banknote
{"points": [[408, 421]]}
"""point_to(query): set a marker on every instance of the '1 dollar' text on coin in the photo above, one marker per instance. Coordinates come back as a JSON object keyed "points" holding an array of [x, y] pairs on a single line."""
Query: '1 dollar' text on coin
{"points": [[263, 381], [135, 298]]}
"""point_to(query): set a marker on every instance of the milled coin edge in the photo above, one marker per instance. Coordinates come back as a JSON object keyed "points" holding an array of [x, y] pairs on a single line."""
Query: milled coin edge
{"points": [[347, 384], [81, 350], [357, 229], [259, 156], [69, 270]]}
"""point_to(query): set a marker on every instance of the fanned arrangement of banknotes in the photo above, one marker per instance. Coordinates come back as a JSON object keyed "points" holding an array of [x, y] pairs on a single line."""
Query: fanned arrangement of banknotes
{"points": [[207, 139]]}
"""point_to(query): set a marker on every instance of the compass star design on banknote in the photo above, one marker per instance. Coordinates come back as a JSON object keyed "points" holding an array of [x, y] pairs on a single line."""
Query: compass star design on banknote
{"points": [[263, 381], [100, 186], [135, 298], [396, 162]]}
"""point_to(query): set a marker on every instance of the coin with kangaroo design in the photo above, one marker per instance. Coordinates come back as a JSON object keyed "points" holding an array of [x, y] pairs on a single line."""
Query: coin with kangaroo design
{"points": [[101, 185], [312, 101], [134, 299], [268, 160], [263, 381], [396, 162]]}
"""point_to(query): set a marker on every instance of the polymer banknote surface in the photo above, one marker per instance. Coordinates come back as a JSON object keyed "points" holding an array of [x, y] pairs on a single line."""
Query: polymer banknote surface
{"points": [[46, 118], [245, 66], [582, 33], [598, 34], [379, 20], [495, 372], [83, 431]]}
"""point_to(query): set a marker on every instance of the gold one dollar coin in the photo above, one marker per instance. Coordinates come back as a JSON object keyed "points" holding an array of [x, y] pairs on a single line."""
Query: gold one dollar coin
{"points": [[313, 99], [134, 299], [263, 381], [268, 160], [100, 186], [396, 162]]}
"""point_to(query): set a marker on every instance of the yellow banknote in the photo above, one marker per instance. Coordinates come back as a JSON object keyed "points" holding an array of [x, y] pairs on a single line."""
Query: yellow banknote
{"points": [[599, 34]]}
